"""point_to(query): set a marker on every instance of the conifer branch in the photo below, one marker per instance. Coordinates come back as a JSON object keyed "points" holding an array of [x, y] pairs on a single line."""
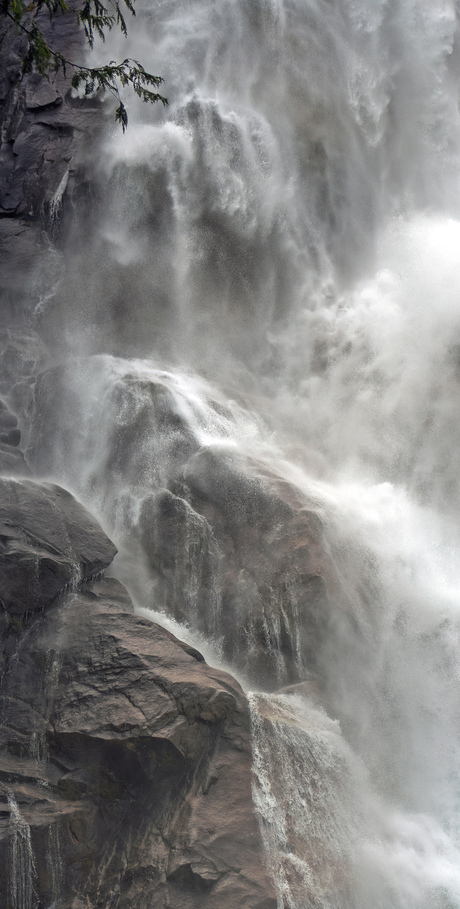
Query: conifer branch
{"points": [[96, 18]]}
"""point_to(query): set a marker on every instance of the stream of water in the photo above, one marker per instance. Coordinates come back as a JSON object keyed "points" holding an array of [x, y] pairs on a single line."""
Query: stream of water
{"points": [[278, 256]]}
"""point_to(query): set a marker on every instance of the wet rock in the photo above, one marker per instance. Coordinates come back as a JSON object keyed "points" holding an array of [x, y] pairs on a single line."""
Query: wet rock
{"points": [[12, 438], [229, 545], [273, 572], [41, 161], [12, 462], [7, 420], [34, 154], [128, 761], [148, 431], [22, 355], [20, 247], [183, 553], [47, 541]]}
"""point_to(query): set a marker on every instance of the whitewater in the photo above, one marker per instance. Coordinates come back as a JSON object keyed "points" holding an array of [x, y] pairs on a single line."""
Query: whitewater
{"points": [[279, 250]]}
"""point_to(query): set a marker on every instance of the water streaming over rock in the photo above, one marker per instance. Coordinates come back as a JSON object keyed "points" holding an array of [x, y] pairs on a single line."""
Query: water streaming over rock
{"points": [[22, 870], [263, 405]]}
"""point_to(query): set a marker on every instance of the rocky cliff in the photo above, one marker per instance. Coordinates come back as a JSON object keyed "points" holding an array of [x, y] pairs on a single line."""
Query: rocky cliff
{"points": [[221, 541], [45, 137], [125, 761]]}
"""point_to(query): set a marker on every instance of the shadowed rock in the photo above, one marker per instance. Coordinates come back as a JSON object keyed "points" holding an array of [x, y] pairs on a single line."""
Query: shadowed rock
{"points": [[47, 541], [41, 170], [125, 761], [12, 462], [135, 756], [230, 547]]}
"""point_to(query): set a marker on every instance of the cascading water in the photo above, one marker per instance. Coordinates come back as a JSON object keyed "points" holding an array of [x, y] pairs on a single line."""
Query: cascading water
{"points": [[22, 871], [269, 294]]}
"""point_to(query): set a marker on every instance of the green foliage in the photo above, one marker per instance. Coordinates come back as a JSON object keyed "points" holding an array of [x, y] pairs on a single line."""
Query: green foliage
{"points": [[96, 18]]}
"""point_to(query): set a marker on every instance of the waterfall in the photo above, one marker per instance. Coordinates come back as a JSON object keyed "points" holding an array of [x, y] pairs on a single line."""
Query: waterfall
{"points": [[22, 870], [302, 776], [257, 387]]}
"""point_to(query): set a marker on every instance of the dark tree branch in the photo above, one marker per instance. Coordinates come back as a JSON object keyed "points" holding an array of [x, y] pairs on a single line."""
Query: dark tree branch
{"points": [[96, 18]]}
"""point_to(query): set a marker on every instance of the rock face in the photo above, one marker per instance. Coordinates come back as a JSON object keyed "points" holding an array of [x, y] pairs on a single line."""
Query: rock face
{"points": [[250, 551], [48, 541], [40, 122], [228, 546], [20, 354], [41, 127], [125, 761]]}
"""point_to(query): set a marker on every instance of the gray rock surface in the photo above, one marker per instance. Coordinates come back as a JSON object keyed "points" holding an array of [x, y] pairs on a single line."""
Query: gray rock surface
{"points": [[275, 575], [41, 168], [40, 122], [125, 761], [229, 546], [12, 462], [48, 541]]}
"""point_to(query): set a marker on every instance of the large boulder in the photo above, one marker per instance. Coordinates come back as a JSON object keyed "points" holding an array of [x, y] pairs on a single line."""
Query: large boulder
{"points": [[47, 542], [239, 554], [226, 544], [273, 570], [125, 766]]}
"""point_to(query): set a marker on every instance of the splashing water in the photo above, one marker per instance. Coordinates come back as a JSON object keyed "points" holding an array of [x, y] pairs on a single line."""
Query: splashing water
{"points": [[273, 278], [22, 871]]}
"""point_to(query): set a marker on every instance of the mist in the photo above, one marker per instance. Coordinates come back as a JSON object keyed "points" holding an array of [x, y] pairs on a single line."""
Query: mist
{"points": [[269, 282]]}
